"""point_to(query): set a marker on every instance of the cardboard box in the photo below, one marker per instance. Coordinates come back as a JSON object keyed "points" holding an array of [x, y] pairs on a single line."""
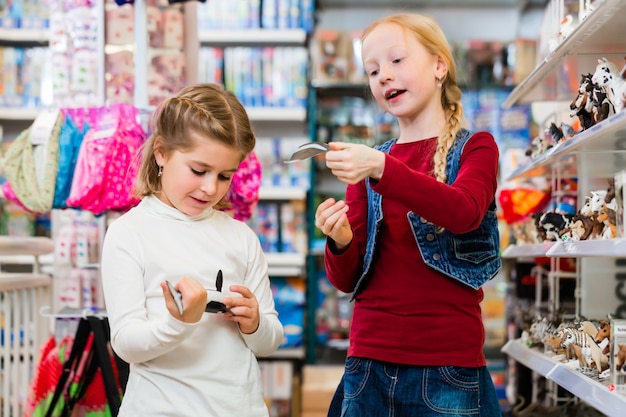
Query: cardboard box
{"points": [[319, 383], [617, 360]]}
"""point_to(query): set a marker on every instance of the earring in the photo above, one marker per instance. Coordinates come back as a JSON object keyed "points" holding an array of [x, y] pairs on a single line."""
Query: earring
{"points": [[439, 82], [160, 171]]}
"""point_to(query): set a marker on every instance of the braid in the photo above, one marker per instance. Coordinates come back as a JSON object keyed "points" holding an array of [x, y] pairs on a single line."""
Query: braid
{"points": [[451, 102]]}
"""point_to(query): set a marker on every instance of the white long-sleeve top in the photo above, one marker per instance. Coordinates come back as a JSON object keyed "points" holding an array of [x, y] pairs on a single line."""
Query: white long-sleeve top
{"points": [[178, 369]]}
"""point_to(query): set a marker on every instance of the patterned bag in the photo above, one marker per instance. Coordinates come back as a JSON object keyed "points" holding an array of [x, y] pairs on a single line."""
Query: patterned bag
{"points": [[31, 168]]}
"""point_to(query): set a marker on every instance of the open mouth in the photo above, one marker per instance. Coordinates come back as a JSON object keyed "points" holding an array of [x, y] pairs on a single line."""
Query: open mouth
{"points": [[391, 94]]}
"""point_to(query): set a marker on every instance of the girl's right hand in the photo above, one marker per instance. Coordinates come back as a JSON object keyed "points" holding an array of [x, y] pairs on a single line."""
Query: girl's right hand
{"points": [[332, 220], [194, 300]]}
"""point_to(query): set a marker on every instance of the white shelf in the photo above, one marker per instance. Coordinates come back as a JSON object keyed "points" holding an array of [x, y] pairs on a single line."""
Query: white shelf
{"points": [[527, 250], [286, 353], [253, 37], [282, 193], [16, 113], [600, 141], [593, 392], [531, 358], [285, 264], [277, 114], [600, 34], [605, 248], [25, 35]]}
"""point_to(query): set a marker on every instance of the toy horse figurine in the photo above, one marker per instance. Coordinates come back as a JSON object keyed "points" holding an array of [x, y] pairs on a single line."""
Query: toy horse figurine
{"points": [[582, 105], [607, 75]]}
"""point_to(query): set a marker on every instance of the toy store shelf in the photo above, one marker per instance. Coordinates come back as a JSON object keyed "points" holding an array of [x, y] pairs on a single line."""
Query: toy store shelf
{"points": [[531, 358], [598, 144], [253, 37], [25, 35], [527, 250], [16, 113], [285, 264], [276, 114], [282, 193], [592, 391], [600, 34], [589, 248], [288, 353], [17, 245]]}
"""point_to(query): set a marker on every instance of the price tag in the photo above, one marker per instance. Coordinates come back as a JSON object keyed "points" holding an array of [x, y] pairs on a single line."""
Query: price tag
{"points": [[42, 126]]}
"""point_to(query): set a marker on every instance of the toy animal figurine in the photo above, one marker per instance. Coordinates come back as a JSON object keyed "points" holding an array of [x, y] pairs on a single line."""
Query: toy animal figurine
{"points": [[593, 203], [538, 146], [604, 333], [582, 106], [602, 107], [608, 76], [589, 349], [550, 225], [608, 217], [555, 132]]}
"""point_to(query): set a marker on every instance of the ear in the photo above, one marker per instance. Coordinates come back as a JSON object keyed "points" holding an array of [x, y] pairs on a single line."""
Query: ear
{"points": [[157, 149], [441, 69]]}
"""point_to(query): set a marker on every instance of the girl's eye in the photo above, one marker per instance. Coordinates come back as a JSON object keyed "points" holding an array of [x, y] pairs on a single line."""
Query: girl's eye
{"points": [[373, 73], [395, 61], [224, 177], [196, 172]]}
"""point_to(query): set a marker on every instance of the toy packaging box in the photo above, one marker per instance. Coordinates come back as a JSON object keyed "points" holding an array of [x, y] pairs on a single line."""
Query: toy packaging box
{"points": [[618, 355], [620, 181]]}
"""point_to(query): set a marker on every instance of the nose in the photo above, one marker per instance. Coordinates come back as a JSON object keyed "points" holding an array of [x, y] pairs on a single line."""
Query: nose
{"points": [[385, 74], [209, 184]]}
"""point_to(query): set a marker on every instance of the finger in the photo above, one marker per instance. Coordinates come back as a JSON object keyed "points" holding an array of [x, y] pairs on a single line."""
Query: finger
{"points": [[337, 146], [244, 291]]}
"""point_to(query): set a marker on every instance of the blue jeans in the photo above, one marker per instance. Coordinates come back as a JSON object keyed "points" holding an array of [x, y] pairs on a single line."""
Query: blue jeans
{"points": [[379, 389]]}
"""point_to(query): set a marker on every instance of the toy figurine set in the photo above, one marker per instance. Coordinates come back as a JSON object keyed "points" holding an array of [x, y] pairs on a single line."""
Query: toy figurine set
{"points": [[595, 347]]}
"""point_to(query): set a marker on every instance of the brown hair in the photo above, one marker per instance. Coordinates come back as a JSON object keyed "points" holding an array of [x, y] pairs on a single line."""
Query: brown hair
{"points": [[427, 32], [207, 109]]}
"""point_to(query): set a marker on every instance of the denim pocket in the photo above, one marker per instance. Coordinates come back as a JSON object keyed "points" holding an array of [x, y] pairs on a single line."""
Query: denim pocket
{"points": [[452, 390], [356, 376]]}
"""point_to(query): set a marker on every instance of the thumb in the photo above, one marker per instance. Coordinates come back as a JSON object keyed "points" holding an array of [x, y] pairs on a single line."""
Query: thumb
{"points": [[337, 146]]}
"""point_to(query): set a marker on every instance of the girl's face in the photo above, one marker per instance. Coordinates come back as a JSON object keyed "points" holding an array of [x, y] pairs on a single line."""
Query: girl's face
{"points": [[402, 73], [195, 180]]}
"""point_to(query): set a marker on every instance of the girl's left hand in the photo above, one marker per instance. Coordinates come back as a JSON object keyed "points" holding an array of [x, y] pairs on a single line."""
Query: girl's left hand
{"points": [[245, 307], [351, 162]]}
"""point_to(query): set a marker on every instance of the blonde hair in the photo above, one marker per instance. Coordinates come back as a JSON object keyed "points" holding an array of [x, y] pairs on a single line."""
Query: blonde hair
{"points": [[427, 32], [207, 109]]}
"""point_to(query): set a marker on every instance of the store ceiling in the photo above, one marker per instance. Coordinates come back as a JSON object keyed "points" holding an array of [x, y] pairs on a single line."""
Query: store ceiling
{"points": [[522, 4]]}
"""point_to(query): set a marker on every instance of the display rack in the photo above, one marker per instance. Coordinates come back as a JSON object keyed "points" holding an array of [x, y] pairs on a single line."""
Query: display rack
{"points": [[602, 31], [596, 393], [590, 156]]}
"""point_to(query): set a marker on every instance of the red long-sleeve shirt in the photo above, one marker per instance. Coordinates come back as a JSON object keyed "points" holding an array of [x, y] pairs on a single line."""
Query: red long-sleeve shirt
{"points": [[407, 312]]}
